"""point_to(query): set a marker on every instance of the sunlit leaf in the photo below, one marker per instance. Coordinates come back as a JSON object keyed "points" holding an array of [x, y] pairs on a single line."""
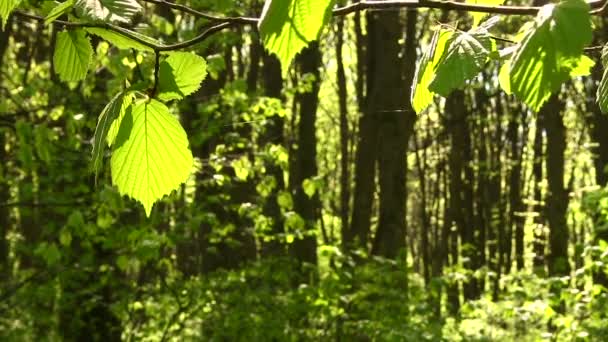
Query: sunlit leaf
{"points": [[288, 26], [109, 10], [115, 109], [550, 50], [58, 11], [421, 96], [6, 7], [602, 90], [123, 42], [180, 75], [478, 16], [464, 58], [73, 53], [150, 155]]}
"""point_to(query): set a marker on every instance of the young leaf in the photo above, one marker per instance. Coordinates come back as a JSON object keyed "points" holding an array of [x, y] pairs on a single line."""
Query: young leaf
{"points": [[113, 110], [180, 75], [150, 155], [58, 11], [421, 95], [288, 26], [73, 54], [464, 58], [109, 10], [6, 7], [122, 42], [602, 90], [550, 49], [477, 16]]}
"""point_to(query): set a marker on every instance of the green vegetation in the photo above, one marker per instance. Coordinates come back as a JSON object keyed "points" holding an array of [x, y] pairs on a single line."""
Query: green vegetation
{"points": [[303, 170]]}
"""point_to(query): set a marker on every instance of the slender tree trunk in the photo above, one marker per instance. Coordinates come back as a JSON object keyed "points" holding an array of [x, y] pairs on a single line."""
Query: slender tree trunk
{"points": [[4, 185], [305, 162], [344, 132], [396, 119], [367, 140], [557, 198], [539, 222], [515, 187], [273, 134]]}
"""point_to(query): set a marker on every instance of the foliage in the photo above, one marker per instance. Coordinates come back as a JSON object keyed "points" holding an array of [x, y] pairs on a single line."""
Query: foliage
{"points": [[204, 130]]}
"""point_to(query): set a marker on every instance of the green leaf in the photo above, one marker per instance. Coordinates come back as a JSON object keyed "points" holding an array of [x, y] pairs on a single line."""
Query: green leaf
{"points": [[114, 110], [6, 7], [602, 90], [582, 67], [477, 16], [464, 58], [123, 42], [73, 54], [109, 10], [550, 50], [288, 26], [58, 11], [150, 155], [503, 77], [421, 95], [180, 75]]}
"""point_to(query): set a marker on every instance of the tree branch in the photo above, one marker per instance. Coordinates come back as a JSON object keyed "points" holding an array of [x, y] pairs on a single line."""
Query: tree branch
{"points": [[130, 34], [598, 7]]}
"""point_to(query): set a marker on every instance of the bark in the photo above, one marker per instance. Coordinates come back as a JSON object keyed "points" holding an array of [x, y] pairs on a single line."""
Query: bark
{"points": [[516, 204], [365, 155], [557, 197], [344, 132], [305, 162], [460, 187], [396, 121], [539, 222], [273, 134], [4, 185]]}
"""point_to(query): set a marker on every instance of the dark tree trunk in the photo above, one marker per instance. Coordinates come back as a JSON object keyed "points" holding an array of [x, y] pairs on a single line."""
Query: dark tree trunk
{"points": [[516, 204], [344, 132], [367, 140], [539, 221], [557, 197], [460, 183], [396, 118], [273, 134], [305, 161]]}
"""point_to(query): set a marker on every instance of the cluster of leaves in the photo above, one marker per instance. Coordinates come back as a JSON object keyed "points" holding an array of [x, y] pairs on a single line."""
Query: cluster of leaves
{"points": [[547, 53], [150, 154]]}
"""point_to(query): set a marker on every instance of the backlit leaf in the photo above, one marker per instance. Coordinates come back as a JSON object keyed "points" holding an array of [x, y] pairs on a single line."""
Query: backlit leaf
{"points": [[150, 155], [464, 58], [421, 95], [113, 110], [123, 42], [73, 53], [602, 90], [109, 10], [550, 50], [58, 11], [6, 7], [180, 75], [288, 26]]}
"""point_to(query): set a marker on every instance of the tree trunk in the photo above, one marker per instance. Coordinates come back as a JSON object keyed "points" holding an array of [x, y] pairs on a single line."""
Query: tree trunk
{"points": [[344, 132], [273, 134], [304, 249], [557, 197], [396, 119]]}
